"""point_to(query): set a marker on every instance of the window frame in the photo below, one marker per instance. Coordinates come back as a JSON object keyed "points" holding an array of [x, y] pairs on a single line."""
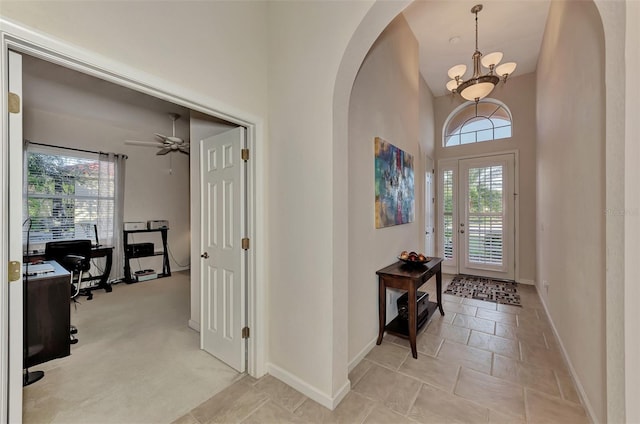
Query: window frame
{"points": [[447, 135], [38, 244]]}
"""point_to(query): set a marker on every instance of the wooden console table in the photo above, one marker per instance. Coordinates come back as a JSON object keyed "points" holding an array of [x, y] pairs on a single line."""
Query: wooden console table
{"points": [[407, 277]]}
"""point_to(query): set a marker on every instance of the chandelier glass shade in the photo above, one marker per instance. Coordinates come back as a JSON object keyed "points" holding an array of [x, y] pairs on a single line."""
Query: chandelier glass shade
{"points": [[479, 85]]}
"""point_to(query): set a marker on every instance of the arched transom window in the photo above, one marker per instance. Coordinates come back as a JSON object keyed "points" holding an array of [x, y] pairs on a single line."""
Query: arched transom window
{"points": [[474, 122]]}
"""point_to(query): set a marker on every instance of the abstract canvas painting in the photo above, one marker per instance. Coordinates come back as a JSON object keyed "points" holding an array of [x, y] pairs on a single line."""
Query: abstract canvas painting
{"points": [[395, 201]]}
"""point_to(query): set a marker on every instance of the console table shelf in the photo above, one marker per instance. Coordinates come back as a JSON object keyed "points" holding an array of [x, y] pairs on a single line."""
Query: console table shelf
{"points": [[400, 327]]}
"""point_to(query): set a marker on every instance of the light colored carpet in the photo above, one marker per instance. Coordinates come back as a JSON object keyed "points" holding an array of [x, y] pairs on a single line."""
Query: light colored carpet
{"points": [[137, 361]]}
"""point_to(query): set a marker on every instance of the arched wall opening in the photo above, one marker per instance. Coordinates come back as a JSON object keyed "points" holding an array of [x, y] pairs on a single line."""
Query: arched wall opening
{"points": [[376, 20]]}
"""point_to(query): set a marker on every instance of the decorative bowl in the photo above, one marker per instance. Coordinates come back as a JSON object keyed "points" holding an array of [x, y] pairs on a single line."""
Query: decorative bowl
{"points": [[416, 262]]}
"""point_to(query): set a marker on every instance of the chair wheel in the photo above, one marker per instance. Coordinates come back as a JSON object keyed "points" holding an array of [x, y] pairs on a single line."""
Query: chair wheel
{"points": [[73, 330]]}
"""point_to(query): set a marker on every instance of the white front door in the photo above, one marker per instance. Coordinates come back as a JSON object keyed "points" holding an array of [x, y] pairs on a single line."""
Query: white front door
{"points": [[478, 216], [486, 222], [223, 260], [12, 330]]}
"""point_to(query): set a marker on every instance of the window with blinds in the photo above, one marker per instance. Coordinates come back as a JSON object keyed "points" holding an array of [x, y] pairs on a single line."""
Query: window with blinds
{"points": [[447, 196], [486, 215], [66, 195]]}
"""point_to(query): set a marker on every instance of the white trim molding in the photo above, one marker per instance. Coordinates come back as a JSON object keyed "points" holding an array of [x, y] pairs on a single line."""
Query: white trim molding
{"points": [[364, 352], [306, 389]]}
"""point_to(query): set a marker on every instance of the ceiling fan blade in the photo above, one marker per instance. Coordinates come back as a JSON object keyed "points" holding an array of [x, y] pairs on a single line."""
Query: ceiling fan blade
{"points": [[161, 137], [163, 151], [184, 150], [143, 143]]}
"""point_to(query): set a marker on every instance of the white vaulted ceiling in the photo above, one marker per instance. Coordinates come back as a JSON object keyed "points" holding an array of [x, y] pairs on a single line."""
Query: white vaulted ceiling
{"points": [[513, 27]]}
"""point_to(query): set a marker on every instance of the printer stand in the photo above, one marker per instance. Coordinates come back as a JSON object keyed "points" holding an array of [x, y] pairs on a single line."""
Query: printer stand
{"points": [[130, 253]]}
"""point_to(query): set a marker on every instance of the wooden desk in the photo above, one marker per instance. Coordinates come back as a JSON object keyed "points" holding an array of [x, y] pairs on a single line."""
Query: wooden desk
{"points": [[47, 316], [409, 278], [96, 252]]}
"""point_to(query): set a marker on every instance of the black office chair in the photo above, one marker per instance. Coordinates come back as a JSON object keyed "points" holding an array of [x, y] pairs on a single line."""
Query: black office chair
{"points": [[75, 257]]}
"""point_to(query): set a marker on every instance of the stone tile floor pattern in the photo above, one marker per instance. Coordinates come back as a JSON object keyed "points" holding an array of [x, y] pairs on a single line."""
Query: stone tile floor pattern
{"points": [[480, 363]]}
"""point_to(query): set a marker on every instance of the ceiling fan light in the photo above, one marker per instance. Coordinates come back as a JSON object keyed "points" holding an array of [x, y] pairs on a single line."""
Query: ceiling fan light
{"points": [[457, 71], [506, 69], [452, 85], [491, 59]]}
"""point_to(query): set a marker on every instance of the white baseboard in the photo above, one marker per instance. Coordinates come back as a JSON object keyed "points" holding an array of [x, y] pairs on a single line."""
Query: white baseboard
{"points": [[360, 356], [194, 325], [527, 281], [306, 389], [583, 396]]}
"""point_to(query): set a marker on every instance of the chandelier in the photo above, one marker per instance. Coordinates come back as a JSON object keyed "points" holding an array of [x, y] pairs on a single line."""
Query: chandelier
{"points": [[479, 86]]}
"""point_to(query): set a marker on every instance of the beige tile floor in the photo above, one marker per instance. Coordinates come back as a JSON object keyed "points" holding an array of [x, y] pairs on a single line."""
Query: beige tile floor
{"points": [[481, 362]]}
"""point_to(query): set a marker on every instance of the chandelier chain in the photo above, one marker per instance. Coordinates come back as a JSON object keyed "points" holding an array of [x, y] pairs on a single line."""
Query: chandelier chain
{"points": [[476, 31]]}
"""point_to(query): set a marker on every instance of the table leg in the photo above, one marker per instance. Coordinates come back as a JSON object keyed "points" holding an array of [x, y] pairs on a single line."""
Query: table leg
{"points": [[439, 289], [382, 308], [413, 320], [104, 280]]}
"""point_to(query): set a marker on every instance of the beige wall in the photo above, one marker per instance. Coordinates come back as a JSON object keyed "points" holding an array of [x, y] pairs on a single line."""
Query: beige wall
{"points": [[518, 94], [631, 312], [426, 117], [180, 42], [571, 191], [384, 103], [307, 304]]}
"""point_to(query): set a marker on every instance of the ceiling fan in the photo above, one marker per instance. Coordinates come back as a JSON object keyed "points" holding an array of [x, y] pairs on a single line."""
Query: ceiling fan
{"points": [[165, 143]]}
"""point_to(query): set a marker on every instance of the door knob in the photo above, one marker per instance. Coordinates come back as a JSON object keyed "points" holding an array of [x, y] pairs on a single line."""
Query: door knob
{"points": [[204, 255]]}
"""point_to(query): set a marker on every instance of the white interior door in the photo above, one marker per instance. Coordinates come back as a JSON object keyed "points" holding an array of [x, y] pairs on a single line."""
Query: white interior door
{"points": [[478, 216], [12, 356], [223, 261]]}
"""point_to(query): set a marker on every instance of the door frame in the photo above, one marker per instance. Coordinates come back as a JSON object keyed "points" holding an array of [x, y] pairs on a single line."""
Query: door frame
{"points": [[242, 269], [22, 40], [516, 207], [430, 206]]}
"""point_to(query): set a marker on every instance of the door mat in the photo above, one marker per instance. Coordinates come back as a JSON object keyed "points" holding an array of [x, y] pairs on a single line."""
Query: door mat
{"points": [[486, 289]]}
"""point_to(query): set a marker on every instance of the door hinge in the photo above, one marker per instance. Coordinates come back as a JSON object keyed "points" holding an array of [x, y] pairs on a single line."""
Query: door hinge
{"points": [[14, 271], [245, 332], [245, 244], [245, 154], [14, 103]]}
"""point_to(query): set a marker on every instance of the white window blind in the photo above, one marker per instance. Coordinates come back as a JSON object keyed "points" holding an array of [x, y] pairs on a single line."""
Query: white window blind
{"points": [[448, 213], [486, 215], [67, 193]]}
